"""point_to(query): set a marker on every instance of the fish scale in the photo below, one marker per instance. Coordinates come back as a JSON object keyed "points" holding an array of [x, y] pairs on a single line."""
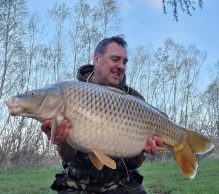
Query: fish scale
{"points": [[112, 126], [108, 123]]}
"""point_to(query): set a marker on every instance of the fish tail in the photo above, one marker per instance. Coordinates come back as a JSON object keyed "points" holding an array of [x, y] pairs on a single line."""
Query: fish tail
{"points": [[192, 143]]}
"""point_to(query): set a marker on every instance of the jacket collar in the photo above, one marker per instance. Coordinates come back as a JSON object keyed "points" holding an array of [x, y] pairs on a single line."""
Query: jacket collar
{"points": [[85, 71]]}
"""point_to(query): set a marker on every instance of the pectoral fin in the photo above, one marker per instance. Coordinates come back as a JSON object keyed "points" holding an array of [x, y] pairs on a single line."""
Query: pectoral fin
{"points": [[56, 122], [103, 159], [53, 130], [95, 161]]}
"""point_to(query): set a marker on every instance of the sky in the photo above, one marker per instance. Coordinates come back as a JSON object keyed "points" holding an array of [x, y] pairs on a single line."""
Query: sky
{"points": [[143, 22]]}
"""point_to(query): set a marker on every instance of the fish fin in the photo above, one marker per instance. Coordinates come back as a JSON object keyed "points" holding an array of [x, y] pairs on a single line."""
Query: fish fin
{"points": [[192, 143], [56, 122], [105, 159], [95, 161], [53, 130], [199, 143], [186, 159]]}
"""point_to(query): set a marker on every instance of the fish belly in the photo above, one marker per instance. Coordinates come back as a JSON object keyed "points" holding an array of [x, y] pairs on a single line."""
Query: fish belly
{"points": [[104, 121]]}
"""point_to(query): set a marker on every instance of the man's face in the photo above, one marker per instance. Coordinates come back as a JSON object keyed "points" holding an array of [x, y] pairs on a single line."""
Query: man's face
{"points": [[110, 67]]}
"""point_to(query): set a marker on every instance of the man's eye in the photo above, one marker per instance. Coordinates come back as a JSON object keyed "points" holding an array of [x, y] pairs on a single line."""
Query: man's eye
{"points": [[115, 59]]}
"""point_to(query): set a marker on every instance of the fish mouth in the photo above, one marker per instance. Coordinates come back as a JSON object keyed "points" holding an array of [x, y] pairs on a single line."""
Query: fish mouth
{"points": [[16, 110], [13, 107]]}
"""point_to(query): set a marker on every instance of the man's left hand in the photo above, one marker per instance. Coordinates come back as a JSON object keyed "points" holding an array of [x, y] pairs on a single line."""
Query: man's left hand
{"points": [[154, 145]]}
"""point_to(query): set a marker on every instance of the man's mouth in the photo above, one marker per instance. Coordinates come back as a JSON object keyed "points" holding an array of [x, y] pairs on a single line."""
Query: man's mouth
{"points": [[115, 76], [115, 73]]}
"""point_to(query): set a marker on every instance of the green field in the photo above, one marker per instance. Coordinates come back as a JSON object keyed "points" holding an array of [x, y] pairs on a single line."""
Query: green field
{"points": [[158, 178], [168, 178]]}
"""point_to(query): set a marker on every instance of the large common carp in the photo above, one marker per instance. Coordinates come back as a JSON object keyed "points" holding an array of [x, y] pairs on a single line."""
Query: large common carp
{"points": [[108, 123]]}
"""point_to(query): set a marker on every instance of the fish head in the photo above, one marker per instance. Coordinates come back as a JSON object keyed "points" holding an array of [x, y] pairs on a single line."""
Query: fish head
{"points": [[40, 104]]}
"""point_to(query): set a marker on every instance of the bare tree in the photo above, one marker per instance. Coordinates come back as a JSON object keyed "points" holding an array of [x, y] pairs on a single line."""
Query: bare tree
{"points": [[91, 33], [21, 69], [140, 70], [83, 33], [211, 103], [58, 14], [170, 74], [184, 5], [12, 52], [169, 60], [12, 14], [109, 10], [192, 63], [90, 23], [76, 44]]}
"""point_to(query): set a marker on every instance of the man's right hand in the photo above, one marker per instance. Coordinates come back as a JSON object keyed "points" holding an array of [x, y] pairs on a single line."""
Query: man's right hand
{"points": [[62, 132]]}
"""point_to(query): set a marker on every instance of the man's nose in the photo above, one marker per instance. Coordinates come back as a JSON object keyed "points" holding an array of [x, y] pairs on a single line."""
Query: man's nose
{"points": [[121, 66]]}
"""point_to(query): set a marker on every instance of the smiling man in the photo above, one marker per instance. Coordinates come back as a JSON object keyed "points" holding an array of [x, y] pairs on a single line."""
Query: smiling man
{"points": [[80, 176]]}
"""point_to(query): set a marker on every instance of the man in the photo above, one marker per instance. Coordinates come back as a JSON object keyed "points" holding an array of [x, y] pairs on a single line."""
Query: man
{"points": [[79, 175]]}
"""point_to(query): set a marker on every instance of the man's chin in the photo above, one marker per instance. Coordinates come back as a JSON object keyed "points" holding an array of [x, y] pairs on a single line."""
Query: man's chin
{"points": [[114, 83]]}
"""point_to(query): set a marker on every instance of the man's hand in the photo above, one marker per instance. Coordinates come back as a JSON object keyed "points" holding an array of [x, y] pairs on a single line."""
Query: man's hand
{"points": [[46, 128], [154, 145], [62, 132]]}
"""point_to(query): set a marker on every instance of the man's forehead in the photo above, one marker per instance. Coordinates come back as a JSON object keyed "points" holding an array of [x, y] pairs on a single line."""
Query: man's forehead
{"points": [[115, 49]]}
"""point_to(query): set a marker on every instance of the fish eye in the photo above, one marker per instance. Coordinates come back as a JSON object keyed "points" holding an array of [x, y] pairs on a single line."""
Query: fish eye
{"points": [[32, 93]]}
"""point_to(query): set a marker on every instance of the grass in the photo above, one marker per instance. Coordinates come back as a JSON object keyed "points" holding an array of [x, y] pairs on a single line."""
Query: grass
{"points": [[158, 178], [167, 178], [27, 181]]}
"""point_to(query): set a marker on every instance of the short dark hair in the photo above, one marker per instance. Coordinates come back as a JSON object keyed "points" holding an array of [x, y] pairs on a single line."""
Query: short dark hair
{"points": [[101, 46]]}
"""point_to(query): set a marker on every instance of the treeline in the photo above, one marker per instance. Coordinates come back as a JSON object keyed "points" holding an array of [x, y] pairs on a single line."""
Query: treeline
{"points": [[169, 78], [36, 50]]}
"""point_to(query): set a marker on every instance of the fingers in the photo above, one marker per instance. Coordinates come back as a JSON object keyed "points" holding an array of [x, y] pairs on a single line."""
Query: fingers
{"points": [[46, 125], [66, 124], [46, 128], [158, 141], [150, 144], [61, 138], [62, 132], [153, 145]]}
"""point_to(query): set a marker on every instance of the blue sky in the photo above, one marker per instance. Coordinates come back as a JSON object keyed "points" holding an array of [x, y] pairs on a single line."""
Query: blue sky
{"points": [[143, 22]]}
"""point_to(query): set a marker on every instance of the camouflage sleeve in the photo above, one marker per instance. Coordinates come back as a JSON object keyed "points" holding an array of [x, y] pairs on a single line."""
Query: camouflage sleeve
{"points": [[66, 152], [135, 162]]}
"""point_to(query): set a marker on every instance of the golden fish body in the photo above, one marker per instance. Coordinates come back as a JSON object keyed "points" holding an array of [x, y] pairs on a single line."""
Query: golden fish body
{"points": [[113, 122], [108, 123]]}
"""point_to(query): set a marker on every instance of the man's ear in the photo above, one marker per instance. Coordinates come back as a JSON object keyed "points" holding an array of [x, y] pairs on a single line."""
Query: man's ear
{"points": [[96, 58]]}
